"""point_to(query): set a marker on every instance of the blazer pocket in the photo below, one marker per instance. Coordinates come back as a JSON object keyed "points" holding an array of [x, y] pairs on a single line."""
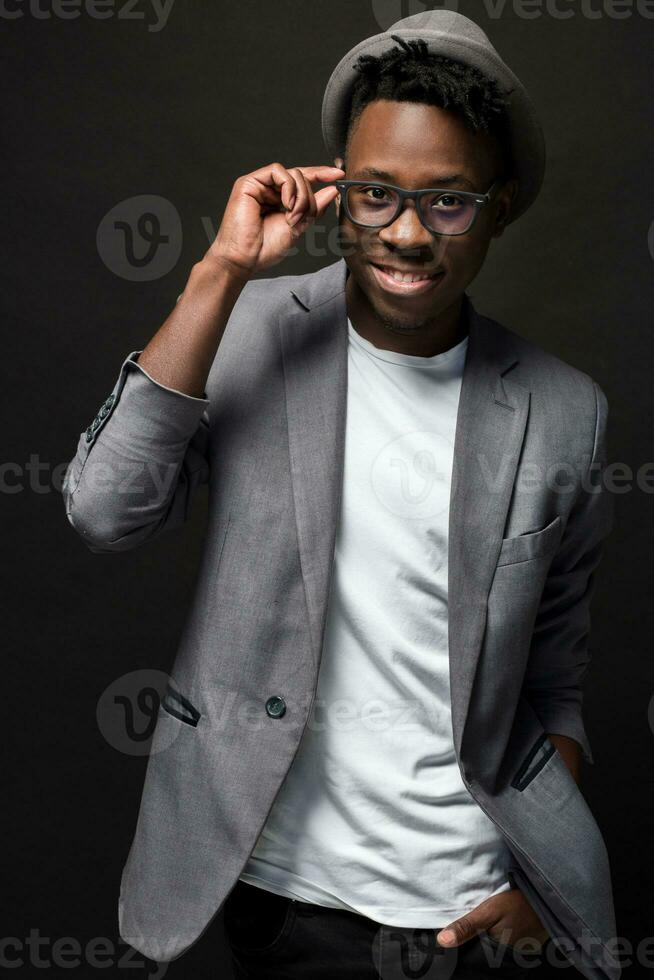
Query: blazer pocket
{"points": [[179, 707], [535, 544], [541, 752]]}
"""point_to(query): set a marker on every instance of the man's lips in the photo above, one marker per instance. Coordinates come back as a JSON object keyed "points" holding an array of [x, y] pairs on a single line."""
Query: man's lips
{"points": [[405, 283]]}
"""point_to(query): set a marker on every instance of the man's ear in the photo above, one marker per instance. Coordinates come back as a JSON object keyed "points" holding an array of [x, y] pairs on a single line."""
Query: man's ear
{"points": [[505, 201]]}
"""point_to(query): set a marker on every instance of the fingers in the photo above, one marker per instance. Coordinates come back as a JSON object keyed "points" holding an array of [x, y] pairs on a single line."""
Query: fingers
{"points": [[274, 175], [305, 202], [448, 937], [324, 198], [308, 205], [317, 175], [290, 183], [276, 187], [461, 930], [320, 199], [482, 917]]}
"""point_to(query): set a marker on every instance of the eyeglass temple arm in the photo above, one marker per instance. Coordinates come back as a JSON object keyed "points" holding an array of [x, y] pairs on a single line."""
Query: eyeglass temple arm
{"points": [[491, 190]]}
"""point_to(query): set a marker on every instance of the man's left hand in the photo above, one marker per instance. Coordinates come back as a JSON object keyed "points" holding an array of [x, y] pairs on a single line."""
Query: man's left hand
{"points": [[506, 917]]}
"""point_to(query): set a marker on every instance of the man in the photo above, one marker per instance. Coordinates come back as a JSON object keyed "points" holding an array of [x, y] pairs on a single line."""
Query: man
{"points": [[406, 514]]}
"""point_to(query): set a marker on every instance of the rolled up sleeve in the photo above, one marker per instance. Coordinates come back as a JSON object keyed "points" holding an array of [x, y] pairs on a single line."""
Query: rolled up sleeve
{"points": [[138, 464]]}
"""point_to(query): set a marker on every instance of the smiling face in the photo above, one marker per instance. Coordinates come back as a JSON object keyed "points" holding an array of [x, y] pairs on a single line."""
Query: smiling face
{"points": [[414, 145]]}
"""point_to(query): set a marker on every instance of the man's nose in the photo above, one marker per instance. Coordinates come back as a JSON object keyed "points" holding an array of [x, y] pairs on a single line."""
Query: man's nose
{"points": [[407, 232]]}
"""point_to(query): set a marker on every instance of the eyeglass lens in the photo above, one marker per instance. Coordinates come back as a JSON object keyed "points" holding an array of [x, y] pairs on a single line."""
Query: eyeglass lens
{"points": [[444, 212]]}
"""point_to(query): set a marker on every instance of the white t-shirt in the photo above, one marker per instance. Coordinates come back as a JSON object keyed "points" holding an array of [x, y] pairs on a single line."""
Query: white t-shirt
{"points": [[373, 815]]}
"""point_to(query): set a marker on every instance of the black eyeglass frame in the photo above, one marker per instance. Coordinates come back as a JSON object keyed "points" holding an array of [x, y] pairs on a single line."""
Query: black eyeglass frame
{"points": [[479, 200]]}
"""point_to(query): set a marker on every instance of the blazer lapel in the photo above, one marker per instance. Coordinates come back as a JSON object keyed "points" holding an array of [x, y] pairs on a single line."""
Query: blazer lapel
{"points": [[490, 428], [491, 421], [314, 352]]}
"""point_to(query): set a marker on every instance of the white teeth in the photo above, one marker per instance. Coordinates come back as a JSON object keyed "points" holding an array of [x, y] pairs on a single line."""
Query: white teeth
{"points": [[406, 276]]}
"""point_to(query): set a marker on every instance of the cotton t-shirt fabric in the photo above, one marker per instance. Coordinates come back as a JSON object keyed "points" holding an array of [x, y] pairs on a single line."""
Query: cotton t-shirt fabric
{"points": [[373, 815]]}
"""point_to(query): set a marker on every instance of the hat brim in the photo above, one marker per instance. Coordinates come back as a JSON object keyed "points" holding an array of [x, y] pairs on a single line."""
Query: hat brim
{"points": [[526, 140]]}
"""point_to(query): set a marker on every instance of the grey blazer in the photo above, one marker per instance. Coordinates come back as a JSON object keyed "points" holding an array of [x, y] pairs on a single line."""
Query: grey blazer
{"points": [[527, 523]]}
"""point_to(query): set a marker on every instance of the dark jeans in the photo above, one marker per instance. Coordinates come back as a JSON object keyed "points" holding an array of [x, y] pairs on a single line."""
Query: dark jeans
{"points": [[277, 938]]}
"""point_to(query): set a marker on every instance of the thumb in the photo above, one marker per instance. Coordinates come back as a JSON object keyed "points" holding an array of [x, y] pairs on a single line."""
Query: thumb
{"points": [[324, 198], [461, 930]]}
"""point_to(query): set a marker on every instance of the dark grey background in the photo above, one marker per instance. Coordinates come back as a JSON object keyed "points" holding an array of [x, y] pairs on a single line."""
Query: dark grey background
{"points": [[100, 111]]}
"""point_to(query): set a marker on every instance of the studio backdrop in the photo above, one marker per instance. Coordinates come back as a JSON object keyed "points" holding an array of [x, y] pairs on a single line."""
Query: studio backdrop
{"points": [[125, 127]]}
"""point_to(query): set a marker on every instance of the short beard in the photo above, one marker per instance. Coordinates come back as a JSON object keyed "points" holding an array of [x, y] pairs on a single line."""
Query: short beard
{"points": [[401, 326]]}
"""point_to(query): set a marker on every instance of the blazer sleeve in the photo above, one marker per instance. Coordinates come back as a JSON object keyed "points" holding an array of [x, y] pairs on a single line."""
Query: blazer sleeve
{"points": [[559, 654], [139, 463]]}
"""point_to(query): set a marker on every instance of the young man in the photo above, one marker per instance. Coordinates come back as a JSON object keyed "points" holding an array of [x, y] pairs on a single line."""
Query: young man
{"points": [[369, 749]]}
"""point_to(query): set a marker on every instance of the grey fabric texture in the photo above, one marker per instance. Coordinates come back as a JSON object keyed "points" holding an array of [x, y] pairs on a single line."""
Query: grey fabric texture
{"points": [[268, 440]]}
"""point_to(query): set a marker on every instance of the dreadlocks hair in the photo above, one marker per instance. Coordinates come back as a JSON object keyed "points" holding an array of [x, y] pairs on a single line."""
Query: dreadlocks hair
{"points": [[412, 73]]}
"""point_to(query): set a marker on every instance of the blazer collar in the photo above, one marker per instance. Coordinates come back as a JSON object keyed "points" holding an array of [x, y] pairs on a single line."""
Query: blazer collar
{"points": [[494, 342]]}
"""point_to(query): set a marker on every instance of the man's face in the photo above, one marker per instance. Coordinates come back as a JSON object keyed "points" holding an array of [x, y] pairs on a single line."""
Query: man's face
{"points": [[417, 146]]}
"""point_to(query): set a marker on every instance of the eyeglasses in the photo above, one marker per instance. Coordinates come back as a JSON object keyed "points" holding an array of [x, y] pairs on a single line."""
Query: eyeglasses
{"points": [[441, 211]]}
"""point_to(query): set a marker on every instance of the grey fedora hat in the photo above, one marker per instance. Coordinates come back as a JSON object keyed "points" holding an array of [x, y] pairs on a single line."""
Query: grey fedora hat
{"points": [[451, 34]]}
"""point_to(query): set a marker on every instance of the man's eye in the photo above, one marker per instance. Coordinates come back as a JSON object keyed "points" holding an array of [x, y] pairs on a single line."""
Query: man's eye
{"points": [[448, 201], [374, 193]]}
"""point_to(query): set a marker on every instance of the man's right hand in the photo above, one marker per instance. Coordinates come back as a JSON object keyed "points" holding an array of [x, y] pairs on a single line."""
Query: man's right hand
{"points": [[267, 211]]}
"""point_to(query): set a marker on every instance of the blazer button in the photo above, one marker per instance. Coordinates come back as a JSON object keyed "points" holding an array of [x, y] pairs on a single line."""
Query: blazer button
{"points": [[276, 706]]}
